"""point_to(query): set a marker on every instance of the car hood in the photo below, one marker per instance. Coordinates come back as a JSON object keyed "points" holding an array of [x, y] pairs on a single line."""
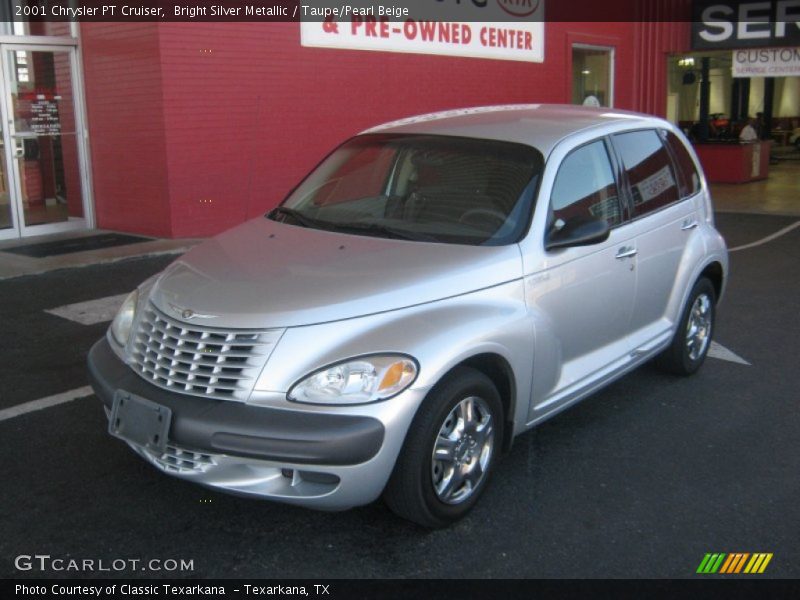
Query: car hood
{"points": [[264, 274]]}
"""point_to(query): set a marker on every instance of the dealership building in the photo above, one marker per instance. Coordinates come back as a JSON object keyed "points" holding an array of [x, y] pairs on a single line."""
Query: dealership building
{"points": [[186, 128]]}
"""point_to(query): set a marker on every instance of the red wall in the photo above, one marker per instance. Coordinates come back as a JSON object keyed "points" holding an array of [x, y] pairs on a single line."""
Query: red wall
{"points": [[123, 83], [207, 124]]}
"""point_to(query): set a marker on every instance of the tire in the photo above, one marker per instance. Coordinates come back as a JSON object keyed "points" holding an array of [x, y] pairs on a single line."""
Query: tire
{"points": [[692, 338], [435, 493]]}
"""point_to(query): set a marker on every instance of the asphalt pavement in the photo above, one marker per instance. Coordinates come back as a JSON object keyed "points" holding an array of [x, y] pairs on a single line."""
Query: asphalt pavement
{"points": [[641, 480]]}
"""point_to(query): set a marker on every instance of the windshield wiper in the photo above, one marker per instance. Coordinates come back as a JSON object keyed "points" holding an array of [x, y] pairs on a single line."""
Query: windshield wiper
{"points": [[380, 230], [299, 217], [375, 229]]}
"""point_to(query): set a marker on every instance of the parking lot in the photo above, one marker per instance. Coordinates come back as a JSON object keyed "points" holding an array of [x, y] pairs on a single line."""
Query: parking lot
{"points": [[640, 480]]}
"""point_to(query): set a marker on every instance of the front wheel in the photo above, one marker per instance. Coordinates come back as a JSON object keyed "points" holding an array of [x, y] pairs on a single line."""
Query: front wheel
{"points": [[449, 452], [692, 339]]}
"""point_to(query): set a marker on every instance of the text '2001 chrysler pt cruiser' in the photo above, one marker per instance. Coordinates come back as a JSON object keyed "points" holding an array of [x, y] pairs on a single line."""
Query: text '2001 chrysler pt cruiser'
{"points": [[435, 287]]}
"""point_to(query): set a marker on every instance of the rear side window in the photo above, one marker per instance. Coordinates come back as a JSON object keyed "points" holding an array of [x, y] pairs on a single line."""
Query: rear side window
{"points": [[585, 186], [688, 178], [649, 170]]}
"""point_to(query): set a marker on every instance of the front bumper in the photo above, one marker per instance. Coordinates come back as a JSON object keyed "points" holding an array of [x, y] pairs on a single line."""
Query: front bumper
{"points": [[318, 459]]}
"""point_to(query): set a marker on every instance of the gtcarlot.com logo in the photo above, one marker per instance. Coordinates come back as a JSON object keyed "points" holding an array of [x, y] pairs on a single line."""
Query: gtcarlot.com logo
{"points": [[735, 562], [45, 562]]}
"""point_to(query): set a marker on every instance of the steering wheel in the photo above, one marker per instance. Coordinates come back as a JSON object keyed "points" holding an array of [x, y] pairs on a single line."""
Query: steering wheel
{"points": [[491, 213]]}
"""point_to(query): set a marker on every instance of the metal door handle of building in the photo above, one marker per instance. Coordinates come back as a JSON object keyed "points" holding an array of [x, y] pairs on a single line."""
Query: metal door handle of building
{"points": [[626, 252], [19, 149]]}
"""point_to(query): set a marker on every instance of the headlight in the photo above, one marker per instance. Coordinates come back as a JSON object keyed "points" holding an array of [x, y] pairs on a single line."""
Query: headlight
{"points": [[122, 323], [357, 381]]}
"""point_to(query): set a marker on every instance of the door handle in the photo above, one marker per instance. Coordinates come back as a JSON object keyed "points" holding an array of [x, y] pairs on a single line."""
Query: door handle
{"points": [[689, 224], [626, 252]]}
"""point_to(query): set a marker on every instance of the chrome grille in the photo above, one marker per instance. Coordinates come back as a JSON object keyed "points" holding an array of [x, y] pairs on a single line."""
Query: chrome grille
{"points": [[181, 460], [202, 361]]}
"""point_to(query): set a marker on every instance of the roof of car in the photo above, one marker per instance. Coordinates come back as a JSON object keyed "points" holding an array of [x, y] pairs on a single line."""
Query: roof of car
{"points": [[538, 125]]}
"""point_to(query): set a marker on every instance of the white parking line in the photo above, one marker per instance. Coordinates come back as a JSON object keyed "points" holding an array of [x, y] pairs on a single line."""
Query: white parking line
{"points": [[91, 311], [722, 353], [34, 405], [769, 238]]}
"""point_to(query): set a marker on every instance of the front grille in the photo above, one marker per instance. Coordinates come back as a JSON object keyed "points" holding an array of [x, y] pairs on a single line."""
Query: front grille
{"points": [[203, 361], [181, 460]]}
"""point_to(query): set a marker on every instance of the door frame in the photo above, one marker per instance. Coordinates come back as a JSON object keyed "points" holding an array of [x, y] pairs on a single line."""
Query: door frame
{"points": [[19, 229]]}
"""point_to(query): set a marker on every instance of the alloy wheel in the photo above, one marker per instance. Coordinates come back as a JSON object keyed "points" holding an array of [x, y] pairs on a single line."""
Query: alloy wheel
{"points": [[462, 450], [698, 327]]}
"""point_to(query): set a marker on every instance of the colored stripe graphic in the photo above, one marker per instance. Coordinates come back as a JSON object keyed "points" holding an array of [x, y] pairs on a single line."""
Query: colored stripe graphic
{"points": [[710, 563], [727, 564], [741, 562], [734, 562], [703, 563], [758, 563]]}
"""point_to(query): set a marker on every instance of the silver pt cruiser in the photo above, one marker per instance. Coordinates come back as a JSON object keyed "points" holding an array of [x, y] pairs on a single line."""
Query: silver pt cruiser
{"points": [[435, 287]]}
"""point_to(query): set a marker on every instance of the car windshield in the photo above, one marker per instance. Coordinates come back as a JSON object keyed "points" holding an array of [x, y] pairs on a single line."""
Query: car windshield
{"points": [[420, 187]]}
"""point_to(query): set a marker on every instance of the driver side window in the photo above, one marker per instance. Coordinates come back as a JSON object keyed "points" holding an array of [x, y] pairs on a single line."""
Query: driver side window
{"points": [[585, 186]]}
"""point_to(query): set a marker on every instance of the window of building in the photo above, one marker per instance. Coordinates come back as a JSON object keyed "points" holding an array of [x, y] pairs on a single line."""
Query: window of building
{"points": [[26, 17]]}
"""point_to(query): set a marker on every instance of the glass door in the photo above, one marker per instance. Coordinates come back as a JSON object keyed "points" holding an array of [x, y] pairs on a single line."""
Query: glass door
{"points": [[592, 75], [42, 174], [9, 227]]}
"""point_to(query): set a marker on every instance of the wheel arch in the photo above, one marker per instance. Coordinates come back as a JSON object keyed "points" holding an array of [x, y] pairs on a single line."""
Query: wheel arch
{"points": [[715, 273], [501, 374]]}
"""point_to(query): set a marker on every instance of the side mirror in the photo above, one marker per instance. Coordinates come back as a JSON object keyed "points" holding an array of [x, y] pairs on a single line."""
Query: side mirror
{"points": [[576, 231]]}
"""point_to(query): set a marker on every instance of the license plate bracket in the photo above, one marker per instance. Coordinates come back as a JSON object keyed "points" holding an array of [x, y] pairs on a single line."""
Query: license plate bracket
{"points": [[139, 420]]}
